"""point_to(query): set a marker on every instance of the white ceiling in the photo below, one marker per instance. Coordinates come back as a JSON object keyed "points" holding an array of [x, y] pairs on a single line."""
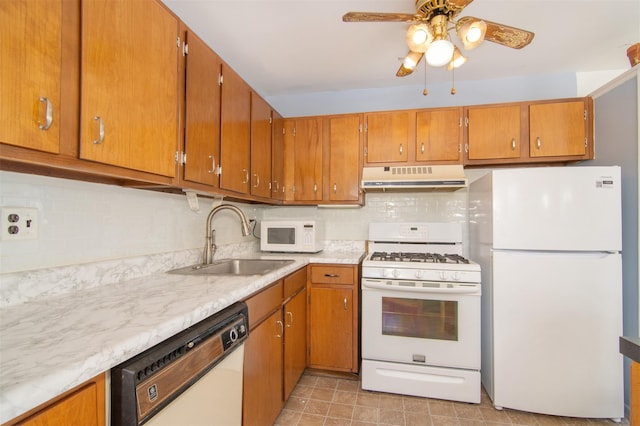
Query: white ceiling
{"points": [[283, 47]]}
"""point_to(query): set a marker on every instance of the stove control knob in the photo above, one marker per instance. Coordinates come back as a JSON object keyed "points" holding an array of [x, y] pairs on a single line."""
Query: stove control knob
{"points": [[418, 274], [443, 275], [455, 276], [385, 273], [395, 273]]}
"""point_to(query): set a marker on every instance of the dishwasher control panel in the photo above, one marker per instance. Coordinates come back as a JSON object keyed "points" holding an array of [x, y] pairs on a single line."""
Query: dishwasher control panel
{"points": [[143, 385]]}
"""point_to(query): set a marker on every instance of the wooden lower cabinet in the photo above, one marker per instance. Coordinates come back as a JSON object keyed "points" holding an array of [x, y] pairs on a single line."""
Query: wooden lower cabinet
{"points": [[333, 317], [275, 352], [262, 390], [83, 405]]}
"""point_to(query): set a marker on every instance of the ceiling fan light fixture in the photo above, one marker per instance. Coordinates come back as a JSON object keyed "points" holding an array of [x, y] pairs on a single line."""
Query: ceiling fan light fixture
{"points": [[439, 53], [411, 60], [472, 33], [419, 37], [457, 60]]}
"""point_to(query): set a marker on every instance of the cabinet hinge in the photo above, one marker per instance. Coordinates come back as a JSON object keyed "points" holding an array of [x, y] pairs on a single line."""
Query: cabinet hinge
{"points": [[460, 122], [220, 79], [284, 131], [181, 157], [360, 128], [219, 171], [466, 121], [586, 142], [178, 42], [585, 115], [366, 127], [294, 132], [270, 120], [185, 49], [366, 151]]}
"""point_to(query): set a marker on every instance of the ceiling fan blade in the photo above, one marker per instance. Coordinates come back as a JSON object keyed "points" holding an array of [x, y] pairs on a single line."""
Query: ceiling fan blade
{"points": [[515, 38], [379, 17], [456, 6], [403, 70]]}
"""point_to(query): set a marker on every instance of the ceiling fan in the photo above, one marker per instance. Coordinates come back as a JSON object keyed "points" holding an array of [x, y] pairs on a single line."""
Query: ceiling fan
{"points": [[428, 34]]}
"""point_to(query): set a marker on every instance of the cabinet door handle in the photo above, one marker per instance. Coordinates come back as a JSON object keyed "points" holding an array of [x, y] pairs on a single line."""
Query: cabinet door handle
{"points": [[276, 186], [332, 275], [281, 329], [315, 187], [538, 142], [345, 303], [513, 144], [335, 188], [100, 130], [290, 315], [257, 180], [213, 164], [48, 114], [246, 176], [400, 149], [422, 148]]}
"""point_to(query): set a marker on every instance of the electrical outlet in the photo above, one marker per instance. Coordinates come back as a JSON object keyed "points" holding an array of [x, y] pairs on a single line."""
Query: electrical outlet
{"points": [[19, 223]]}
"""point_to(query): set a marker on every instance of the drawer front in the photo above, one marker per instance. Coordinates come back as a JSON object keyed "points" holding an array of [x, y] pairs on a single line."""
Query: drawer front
{"points": [[264, 303], [331, 274], [295, 282]]}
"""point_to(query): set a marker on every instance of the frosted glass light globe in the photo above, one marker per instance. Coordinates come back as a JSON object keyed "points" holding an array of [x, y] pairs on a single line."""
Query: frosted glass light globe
{"points": [[439, 53]]}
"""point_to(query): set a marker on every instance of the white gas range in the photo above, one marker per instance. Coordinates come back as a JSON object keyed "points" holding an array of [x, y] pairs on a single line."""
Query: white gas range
{"points": [[420, 312]]}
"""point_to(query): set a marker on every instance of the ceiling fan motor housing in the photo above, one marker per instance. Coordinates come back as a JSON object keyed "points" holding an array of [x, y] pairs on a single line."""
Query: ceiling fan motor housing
{"points": [[430, 8]]}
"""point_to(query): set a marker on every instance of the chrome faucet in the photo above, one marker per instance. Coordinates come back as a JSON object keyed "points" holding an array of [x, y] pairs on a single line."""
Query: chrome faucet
{"points": [[210, 247]]}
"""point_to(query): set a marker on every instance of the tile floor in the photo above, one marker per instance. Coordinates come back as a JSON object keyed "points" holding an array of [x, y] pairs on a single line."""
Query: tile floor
{"points": [[326, 400]]}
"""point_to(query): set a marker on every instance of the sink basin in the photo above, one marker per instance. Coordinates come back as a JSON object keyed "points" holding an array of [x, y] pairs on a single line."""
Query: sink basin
{"points": [[233, 267]]}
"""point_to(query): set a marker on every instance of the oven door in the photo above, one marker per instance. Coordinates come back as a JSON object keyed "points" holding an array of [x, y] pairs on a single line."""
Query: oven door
{"points": [[421, 323]]}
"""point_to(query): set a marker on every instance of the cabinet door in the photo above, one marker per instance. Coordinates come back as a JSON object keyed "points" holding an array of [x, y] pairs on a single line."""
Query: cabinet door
{"points": [[262, 382], [388, 136], [344, 158], [557, 129], [439, 135], [236, 132], [277, 158], [31, 46], [307, 161], [295, 341], [260, 147], [331, 328], [84, 406], [129, 85], [494, 132], [202, 117]]}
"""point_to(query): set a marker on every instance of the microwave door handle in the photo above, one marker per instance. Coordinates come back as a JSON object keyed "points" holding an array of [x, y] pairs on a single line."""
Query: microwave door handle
{"points": [[424, 290]]}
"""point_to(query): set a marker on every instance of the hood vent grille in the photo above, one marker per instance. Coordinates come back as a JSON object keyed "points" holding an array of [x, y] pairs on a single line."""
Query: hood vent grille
{"points": [[447, 177]]}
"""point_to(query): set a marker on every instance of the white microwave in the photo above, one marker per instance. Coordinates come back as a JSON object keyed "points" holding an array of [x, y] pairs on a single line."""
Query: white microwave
{"points": [[294, 236]]}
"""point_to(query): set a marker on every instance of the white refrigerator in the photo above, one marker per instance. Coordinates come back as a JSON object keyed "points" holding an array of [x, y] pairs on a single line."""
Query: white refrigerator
{"points": [[548, 240]]}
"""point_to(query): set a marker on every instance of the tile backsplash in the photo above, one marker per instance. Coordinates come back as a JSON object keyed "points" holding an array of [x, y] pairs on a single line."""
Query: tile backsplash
{"points": [[83, 222]]}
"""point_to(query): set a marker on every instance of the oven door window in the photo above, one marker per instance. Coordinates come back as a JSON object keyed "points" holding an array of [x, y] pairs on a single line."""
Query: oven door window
{"points": [[427, 319]]}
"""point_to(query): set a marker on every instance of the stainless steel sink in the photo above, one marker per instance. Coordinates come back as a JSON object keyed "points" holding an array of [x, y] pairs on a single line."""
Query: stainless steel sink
{"points": [[233, 267]]}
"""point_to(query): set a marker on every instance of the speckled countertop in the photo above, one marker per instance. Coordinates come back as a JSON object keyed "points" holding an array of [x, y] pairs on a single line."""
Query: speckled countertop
{"points": [[67, 331]]}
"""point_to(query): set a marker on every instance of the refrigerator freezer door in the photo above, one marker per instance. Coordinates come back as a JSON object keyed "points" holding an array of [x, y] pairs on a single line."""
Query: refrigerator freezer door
{"points": [[557, 319], [557, 208]]}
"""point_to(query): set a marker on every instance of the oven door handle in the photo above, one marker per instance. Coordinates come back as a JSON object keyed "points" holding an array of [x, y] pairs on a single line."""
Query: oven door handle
{"points": [[459, 289]]}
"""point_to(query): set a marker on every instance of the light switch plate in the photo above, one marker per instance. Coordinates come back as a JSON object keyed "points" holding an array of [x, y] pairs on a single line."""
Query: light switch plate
{"points": [[18, 223]]}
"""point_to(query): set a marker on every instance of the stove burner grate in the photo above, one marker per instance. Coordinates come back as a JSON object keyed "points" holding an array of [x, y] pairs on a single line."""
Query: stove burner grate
{"points": [[381, 256]]}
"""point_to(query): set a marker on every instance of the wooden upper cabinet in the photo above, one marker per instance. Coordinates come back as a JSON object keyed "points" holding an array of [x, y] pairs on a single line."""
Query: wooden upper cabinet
{"points": [[277, 158], [30, 73], [202, 112], [344, 158], [388, 135], [307, 161], [558, 129], [493, 132], [439, 135], [236, 132], [129, 85], [261, 131]]}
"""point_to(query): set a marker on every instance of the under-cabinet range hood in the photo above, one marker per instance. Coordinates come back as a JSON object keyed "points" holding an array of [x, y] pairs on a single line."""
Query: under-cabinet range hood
{"points": [[387, 178]]}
